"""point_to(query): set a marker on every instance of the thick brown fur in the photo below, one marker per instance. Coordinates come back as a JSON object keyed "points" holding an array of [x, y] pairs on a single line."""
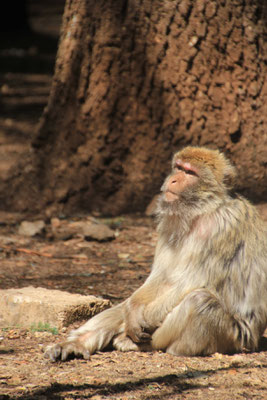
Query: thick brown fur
{"points": [[207, 290], [221, 168]]}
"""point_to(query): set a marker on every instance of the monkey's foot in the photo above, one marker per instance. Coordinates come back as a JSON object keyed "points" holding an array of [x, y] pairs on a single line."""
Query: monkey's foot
{"points": [[62, 351]]}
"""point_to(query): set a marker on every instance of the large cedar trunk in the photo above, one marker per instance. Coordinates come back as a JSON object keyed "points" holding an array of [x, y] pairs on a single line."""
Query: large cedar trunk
{"points": [[134, 81]]}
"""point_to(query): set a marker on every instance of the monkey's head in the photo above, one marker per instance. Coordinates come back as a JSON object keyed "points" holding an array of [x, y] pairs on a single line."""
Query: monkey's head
{"points": [[197, 173]]}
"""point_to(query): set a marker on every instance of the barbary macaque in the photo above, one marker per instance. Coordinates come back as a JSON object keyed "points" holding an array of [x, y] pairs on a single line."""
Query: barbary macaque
{"points": [[207, 290]]}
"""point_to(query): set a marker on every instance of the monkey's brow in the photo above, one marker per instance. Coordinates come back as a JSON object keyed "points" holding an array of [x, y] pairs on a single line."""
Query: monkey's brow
{"points": [[186, 166]]}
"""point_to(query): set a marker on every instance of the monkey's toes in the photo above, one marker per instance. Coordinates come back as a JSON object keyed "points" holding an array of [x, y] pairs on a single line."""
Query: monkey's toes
{"points": [[53, 352], [75, 348], [62, 351]]}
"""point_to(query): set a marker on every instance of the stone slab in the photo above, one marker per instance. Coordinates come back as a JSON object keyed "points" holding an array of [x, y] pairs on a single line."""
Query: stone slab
{"points": [[29, 306]]}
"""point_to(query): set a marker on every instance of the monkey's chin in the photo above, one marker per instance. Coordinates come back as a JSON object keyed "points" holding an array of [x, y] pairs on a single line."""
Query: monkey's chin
{"points": [[170, 197]]}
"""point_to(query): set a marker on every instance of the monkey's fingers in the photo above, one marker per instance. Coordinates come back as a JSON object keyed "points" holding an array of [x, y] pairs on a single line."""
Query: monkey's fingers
{"points": [[62, 351], [144, 337], [139, 336]]}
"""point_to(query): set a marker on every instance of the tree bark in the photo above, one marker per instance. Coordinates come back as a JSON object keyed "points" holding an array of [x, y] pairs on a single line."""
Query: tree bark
{"points": [[137, 79]]}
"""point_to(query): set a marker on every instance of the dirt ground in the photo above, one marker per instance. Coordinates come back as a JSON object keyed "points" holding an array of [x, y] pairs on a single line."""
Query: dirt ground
{"points": [[59, 259]]}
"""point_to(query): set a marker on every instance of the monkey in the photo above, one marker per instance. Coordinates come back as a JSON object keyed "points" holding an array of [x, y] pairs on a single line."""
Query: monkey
{"points": [[207, 290]]}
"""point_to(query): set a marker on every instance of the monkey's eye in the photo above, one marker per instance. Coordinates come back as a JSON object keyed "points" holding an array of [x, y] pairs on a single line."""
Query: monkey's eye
{"points": [[190, 172]]}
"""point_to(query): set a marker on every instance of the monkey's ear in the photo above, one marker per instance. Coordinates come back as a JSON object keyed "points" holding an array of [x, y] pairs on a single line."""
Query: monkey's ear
{"points": [[230, 175]]}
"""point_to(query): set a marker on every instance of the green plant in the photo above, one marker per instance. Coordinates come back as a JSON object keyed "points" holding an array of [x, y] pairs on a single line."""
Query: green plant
{"points": [[44, 327]]}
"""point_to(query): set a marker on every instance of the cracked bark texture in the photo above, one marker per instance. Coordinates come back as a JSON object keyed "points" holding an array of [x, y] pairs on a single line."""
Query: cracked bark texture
{"points": [[136, 80]]}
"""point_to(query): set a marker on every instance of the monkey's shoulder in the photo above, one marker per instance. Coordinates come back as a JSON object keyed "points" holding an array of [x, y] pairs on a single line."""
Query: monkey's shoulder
{"points": [[240, 213]]}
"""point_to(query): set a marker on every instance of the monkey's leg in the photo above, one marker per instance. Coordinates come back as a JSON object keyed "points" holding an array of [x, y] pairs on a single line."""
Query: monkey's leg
{"points": [[199, 325], [94, 335]]}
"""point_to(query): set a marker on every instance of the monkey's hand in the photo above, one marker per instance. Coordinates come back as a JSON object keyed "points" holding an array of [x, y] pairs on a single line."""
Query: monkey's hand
{"points": [[137, 333], [62, 351], [135, 325]]}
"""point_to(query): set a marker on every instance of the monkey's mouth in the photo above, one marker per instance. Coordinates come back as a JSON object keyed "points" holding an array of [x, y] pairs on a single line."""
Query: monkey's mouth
{"points": [[170, 196]]}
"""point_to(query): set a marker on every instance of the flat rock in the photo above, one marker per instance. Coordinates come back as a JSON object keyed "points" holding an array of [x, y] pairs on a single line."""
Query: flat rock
{"points": [[99, 232], [28, 228], [29, 306]]}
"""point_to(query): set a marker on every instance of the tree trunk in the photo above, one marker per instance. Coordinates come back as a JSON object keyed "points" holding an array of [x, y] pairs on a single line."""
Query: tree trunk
{"points": [[134, 81]]}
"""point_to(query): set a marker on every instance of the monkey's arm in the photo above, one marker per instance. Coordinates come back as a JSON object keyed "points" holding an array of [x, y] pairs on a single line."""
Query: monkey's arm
{"points": [[134, 309], [147, 308], [157, 296]]}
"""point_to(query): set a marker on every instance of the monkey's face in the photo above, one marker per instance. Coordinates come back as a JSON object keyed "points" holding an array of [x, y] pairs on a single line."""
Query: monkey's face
{"points": [[198, 176], [183, 178]]}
